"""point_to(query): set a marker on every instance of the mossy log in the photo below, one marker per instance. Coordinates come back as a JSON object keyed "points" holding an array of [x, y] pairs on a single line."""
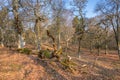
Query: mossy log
{"points": [[56, 53], [68, 64], [44, 54], [24, 51]]}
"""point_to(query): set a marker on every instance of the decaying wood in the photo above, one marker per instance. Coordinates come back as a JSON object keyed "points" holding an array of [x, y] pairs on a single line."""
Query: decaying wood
{"points": [[56, 53], [53, 39]]}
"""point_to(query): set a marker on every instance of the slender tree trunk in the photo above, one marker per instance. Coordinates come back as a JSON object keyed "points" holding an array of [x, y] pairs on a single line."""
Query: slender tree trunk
{"points": [[119, 51], [98, 51], [91, 48], [38, 44], [18, 27], [98, 48], [2, 44], [106, 47], [79, 47], [37, 33], [66, 47], [118, 29], [118, 41], [118, 46], [21, 42], [58, 44]]}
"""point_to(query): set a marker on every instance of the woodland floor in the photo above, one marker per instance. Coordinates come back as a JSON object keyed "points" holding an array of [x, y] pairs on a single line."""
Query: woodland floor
{"points": [[16, 66]]}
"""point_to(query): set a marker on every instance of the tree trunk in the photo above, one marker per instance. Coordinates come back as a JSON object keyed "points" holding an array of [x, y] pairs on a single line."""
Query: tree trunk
{"points": [[2, 44], [91, 48], [118, 29], [79, 47], [38, 44], [58, 44], [119, 42], [106, 47], [98, 51], [37, 41], [21, 42], [118, 50], [98, 48], [66, 48]]}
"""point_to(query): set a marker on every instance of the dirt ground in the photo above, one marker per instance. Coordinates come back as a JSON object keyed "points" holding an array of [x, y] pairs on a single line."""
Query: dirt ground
{"points": [[16, 66]]}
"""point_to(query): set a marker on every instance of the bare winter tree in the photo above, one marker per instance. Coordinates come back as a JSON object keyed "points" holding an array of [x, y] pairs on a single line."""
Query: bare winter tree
{"points": [[37, 28], [57, 9], [17, 22], [3, 17], [79, 21], [34, 9], [111, 10], [106, 24]]}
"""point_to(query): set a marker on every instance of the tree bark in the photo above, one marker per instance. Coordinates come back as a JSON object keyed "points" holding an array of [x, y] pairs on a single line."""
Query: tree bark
{"points": [[2, 44], [106, 47], [98, 53], [17, 22], [58, 44], [38, 44], [79, 47], [118, 45], [21, 42], [91, 48], [66, 48], [37, 32]]}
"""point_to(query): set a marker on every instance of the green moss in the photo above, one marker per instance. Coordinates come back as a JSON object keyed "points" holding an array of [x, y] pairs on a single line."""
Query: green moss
{"points": [[24, 51], [44, 54], [47, 54]]}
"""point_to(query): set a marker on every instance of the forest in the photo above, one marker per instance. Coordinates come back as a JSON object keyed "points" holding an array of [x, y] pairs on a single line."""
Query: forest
{"points": [[55, 40]]}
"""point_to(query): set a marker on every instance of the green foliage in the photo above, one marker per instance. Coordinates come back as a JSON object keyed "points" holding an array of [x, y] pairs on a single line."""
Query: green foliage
{"points": [[24, 51]]}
